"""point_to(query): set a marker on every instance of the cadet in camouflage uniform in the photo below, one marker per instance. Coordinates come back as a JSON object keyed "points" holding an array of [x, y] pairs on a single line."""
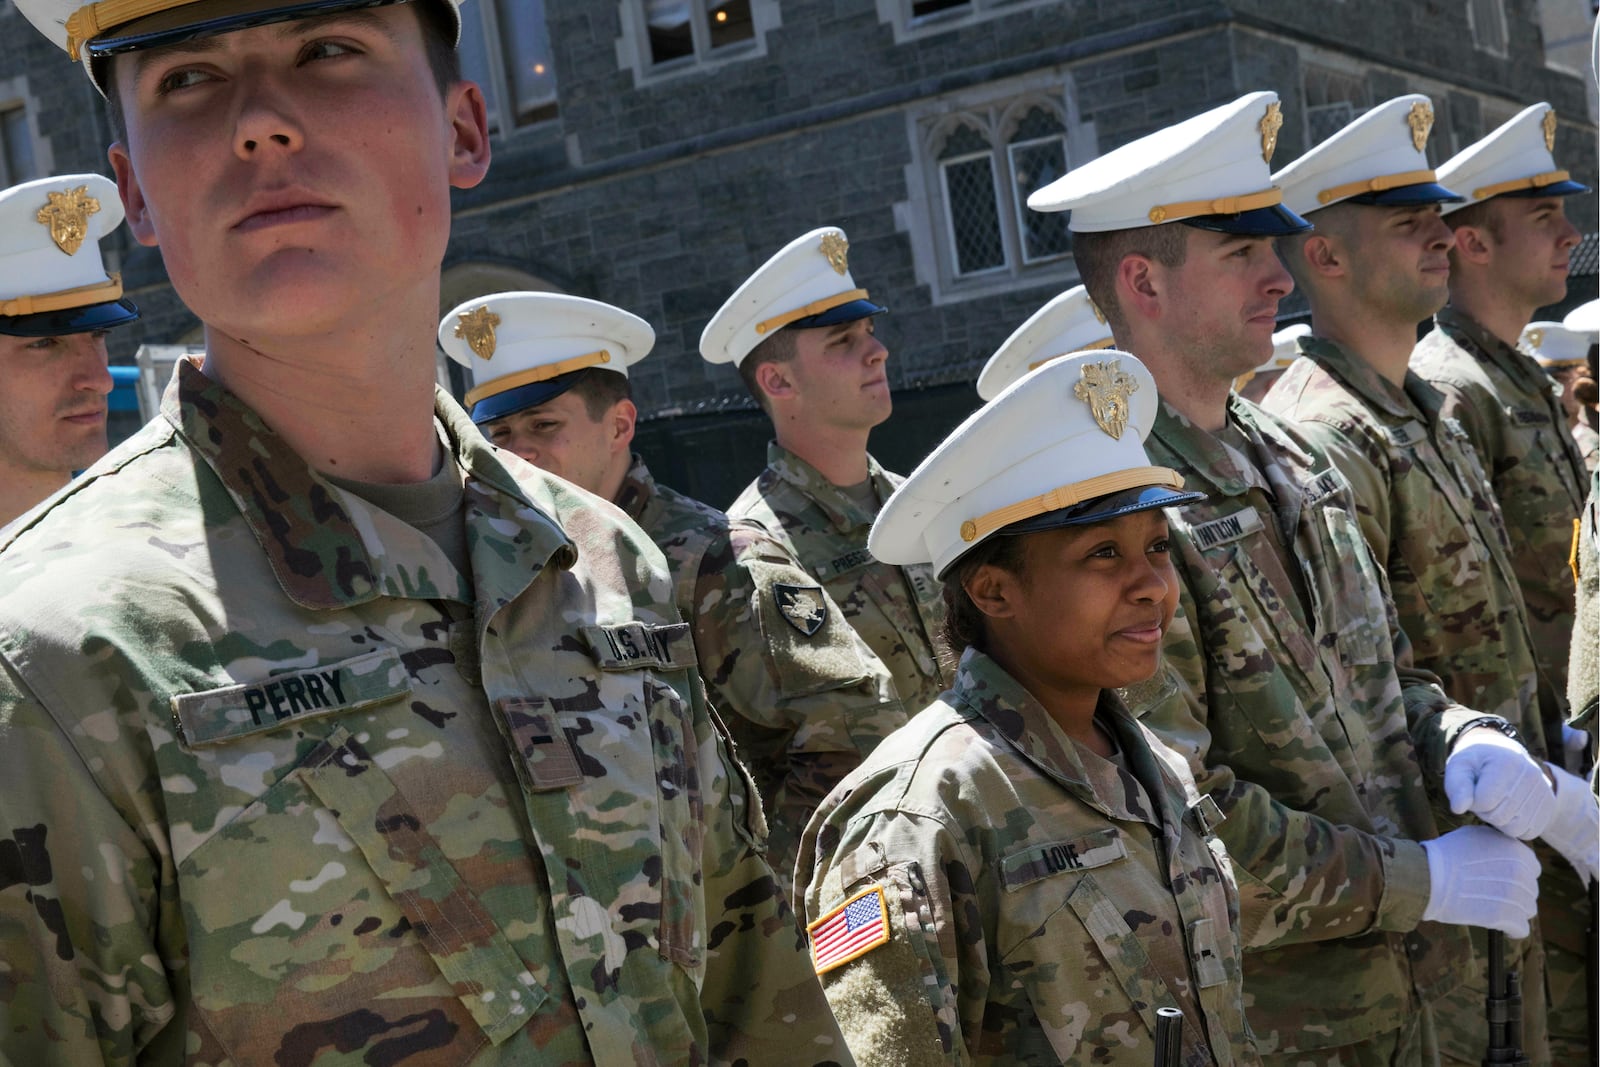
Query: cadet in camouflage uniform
{"points": [[804, 697], [1375, 266], [57, 303], [1510, 253], [1025, 874], [1299, 711], [801, 335], [1583, 675], [404, 765]]}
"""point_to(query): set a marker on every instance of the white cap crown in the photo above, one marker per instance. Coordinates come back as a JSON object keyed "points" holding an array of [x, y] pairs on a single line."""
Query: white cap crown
{"points": [[50, 233], [1514, 158], [1070, 323], [1383, 150]]}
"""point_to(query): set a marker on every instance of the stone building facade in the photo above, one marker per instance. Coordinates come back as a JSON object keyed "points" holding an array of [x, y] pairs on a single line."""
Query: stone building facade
{"points": [[650, 153]]}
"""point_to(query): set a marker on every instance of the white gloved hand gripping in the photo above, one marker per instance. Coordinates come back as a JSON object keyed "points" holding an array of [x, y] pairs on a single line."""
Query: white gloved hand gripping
{"points": [[1481, 877], [1492, 776], [1574, 831]]}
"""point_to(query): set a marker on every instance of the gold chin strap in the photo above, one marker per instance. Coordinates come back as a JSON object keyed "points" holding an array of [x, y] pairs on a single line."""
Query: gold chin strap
{"points": [[816, 307], [537, 374], [1376, 185], [1106, 343], [1516, 185], [91, 20], [1227, 205], [84, 295], [1068, 495]]}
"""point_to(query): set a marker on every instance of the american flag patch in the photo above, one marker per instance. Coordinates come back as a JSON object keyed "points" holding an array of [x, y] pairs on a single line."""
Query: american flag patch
{"points": [[853, 929]]}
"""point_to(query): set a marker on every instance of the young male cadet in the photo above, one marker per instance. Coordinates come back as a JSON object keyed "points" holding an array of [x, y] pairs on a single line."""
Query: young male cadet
{"points": [[800, 333], [1068, 323], [804, 696], [1375, 266], [1511, 254], [56, 304], [1563, 355], [1298, 708], [329, 731]]}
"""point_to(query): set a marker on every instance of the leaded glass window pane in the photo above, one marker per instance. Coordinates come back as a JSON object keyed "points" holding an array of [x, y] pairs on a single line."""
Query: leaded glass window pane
{"points": [[1035, 164], [974, 214]]}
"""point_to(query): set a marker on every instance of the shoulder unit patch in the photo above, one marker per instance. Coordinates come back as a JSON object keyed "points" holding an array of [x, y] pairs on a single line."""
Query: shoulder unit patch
{"points": [[802, 606]]}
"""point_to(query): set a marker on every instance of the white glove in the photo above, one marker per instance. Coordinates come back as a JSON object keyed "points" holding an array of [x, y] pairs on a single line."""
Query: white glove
{"points": [[1575, 743], [1493, 777], [1575, 830], [1481, 877]]}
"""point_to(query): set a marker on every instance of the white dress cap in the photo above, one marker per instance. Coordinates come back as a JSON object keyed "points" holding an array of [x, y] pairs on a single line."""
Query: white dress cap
{"points": [[92, 31], [806, 284], [1514, 160], [1210, 171], [1063, 445], [1069, 323], [1585, 317], [527, 348], [51, 270], [1380, 158], [1555, 346]]}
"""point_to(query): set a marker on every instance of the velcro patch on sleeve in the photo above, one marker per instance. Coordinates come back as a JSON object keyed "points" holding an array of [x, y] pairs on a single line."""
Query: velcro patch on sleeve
{"points": [[218, 716], [635, 646], [850, 931], [1094, 849]]}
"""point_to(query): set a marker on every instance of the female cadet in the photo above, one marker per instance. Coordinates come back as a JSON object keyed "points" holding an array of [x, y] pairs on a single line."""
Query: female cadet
{"points": [[1022, 874]]}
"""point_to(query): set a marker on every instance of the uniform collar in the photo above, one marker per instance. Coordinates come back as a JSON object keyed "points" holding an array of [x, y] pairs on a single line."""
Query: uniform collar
{"points": [[1208, 463], [1359, 376], [330, 549], [1476, 338], [845, 514], [638, 489]]}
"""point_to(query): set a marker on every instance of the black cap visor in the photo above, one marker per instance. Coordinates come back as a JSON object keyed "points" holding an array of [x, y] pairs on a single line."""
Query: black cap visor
{"points": [[206, 18], [70, 320], [523, 397], [1088, 512], [848, 312], [1274, 221], [1409, 196]]}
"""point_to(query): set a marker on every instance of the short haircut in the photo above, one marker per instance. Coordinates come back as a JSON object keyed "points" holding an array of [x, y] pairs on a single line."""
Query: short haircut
{"points": [[1479, 216], [444, 62], [1100, 254], [601, 390], [781, 347], [965, 626], [1332, 221]]}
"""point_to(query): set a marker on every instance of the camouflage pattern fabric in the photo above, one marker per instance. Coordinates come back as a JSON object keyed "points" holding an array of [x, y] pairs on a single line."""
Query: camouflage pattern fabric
{"points": [[899, 611], [803, 696], [1430, 517], [1583, 679], [284, 787], [1302, 716], [1506, 403], [1588, 442], [1043, 901]]}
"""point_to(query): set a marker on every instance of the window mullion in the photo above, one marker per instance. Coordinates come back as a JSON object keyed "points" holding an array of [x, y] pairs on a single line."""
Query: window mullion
{"points": [[504, 105], [699, 29]]}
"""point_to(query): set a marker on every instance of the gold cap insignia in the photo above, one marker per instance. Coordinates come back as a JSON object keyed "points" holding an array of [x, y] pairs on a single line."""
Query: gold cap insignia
{"points": [[477, 326], [1271, 123], [1100, 316], [1549, 125], [1420, 119], [1535, 338], [1105, 387], [67, 215], [837, 249]]}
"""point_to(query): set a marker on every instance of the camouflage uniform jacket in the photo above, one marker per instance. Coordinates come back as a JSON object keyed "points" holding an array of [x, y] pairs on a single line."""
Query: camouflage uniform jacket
{"points": [[1430, 515], [803, 696], [899, 611], [1583, 680], [281, 786], [1291, 691], [1043, 903], [1506, 403]]}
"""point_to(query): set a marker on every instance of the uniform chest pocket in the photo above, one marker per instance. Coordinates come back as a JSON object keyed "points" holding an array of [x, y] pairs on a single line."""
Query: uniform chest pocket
{"points": [[614, 793], [1347, 578], [325, 912]]}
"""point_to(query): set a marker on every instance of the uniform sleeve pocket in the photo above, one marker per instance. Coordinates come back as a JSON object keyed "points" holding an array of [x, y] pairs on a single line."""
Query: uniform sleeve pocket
{"points": [[808, 642]]}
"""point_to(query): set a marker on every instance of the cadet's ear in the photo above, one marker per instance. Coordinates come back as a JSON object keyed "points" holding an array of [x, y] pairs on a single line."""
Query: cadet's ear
{"points": [[134, 207], [1472, 245], [1138, 288], [1322, 254], [992, 590], [774, 380], [469, 124], [623, 417]]}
